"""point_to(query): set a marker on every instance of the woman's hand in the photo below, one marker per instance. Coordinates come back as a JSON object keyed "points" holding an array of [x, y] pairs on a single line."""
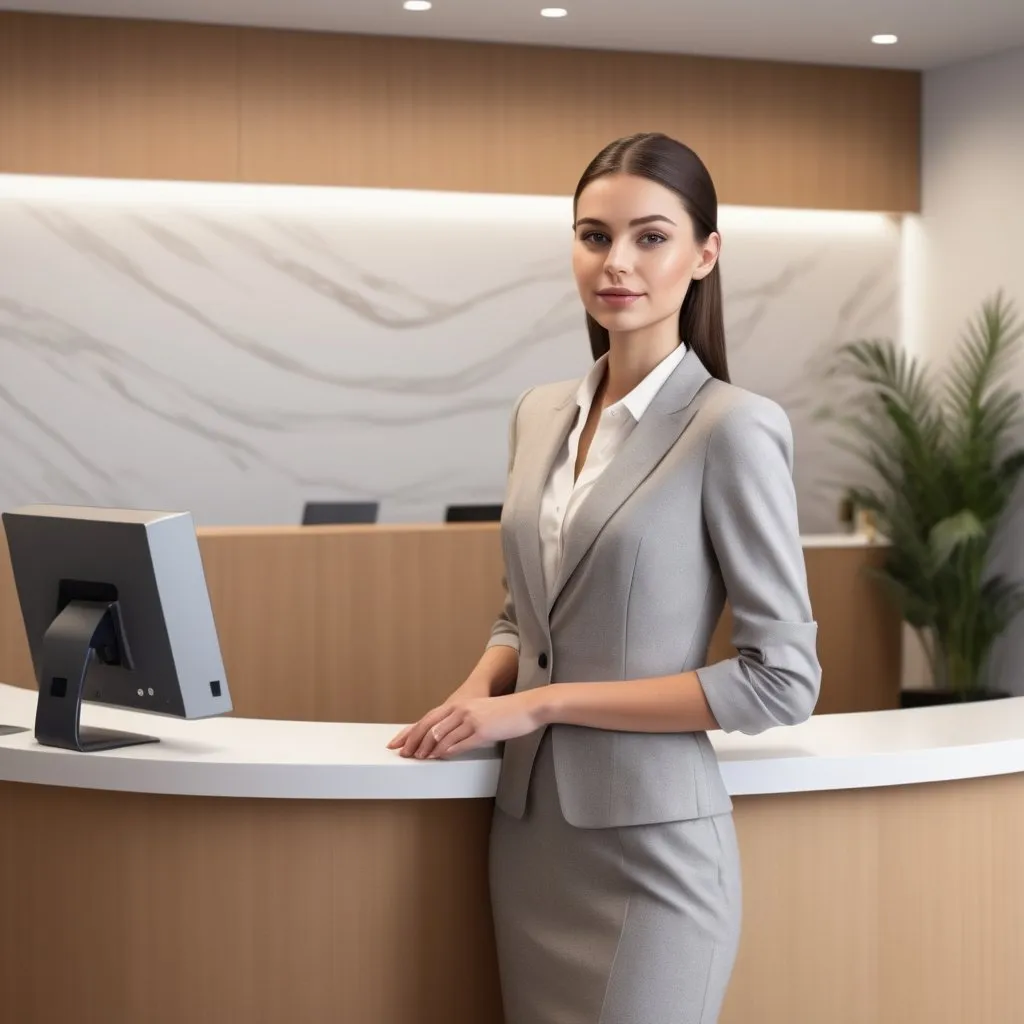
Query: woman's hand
{"points": [[467, 721], [474, 686]]}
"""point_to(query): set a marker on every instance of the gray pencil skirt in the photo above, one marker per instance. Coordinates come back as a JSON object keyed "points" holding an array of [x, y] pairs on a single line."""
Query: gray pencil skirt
{"points": [[633, 925]]}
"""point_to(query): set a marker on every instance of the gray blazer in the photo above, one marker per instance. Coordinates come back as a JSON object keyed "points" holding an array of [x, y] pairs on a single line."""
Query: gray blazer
{"points": [[699, 504]]}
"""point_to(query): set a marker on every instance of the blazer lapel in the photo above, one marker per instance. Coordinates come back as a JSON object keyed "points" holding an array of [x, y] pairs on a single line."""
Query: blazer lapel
{"points": [[661, 425], [544, 442]]}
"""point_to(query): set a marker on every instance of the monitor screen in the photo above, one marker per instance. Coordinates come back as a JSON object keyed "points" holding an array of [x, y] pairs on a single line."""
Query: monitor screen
{"points": [[116, 611]]}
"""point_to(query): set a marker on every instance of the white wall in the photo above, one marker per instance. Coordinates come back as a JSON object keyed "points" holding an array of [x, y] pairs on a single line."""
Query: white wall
{"points": [[973, 202], [970, 240]]}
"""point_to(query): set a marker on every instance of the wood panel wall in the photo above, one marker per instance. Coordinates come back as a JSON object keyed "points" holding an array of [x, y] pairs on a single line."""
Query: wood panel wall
{"points": [[140, 99], [381, 623]]}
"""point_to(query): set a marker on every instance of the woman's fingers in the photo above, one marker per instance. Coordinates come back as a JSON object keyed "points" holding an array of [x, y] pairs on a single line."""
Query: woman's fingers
{"points": [[414, 733], [455, 740], [421, 730], [400, 737], [436, 733]]}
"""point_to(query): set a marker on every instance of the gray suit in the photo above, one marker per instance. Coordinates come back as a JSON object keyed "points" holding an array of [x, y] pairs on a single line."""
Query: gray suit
{"points": [[699, 504]]}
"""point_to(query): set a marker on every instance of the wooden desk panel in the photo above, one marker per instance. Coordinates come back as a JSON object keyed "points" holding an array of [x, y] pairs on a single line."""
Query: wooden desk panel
{"points": [[380, 623], [896, 905], [124, 908]]}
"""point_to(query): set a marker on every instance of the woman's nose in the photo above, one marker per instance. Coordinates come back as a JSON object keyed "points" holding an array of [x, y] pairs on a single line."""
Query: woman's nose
{"points": [[617, 262]]}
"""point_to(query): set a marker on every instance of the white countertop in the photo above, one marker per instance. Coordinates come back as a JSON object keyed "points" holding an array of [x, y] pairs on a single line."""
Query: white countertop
{"points": [[241, 757], [841, 540]]}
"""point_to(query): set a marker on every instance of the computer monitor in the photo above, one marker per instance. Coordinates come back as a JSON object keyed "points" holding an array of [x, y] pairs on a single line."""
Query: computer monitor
{"points": [[332, 513], [116, 611], [472, 514]]}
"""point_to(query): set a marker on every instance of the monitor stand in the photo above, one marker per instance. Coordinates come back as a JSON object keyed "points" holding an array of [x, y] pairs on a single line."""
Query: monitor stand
{"points": [[83, 632]]}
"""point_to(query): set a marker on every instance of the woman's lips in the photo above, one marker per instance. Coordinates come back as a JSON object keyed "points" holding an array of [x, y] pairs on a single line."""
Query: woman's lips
{"points": [[618, 299]]}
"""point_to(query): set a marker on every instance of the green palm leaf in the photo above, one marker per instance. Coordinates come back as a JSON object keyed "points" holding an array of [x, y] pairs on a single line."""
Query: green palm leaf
{"points": [[951, 533], [941, 469]]}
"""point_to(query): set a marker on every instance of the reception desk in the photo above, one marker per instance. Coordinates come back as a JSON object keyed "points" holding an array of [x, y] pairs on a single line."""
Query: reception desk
{"points": [[270, 871], [381, 623]]}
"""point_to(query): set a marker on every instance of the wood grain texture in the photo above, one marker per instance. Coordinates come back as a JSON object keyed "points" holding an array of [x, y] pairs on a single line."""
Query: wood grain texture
{"points": [[168, 96], [168, 909], [15, 660], [380, 623], [119, 98], [886, 906]]}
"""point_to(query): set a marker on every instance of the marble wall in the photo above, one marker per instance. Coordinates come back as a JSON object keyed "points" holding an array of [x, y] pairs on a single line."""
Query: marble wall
{"points": [[237, 350]]}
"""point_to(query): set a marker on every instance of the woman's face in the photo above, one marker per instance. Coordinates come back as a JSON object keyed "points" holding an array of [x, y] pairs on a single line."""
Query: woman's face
{"points": [[634, 253]]}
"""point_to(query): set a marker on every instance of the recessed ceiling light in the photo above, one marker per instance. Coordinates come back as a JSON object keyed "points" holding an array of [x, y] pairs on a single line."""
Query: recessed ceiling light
{"points": [[417, 5], [553, 12], [885, 39]]}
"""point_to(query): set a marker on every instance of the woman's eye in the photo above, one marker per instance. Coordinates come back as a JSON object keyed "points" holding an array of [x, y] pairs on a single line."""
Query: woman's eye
{"points": [[649, 238]]}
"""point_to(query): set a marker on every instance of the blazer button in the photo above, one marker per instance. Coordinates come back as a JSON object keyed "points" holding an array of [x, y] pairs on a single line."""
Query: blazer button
{"points": [[543, 661]]}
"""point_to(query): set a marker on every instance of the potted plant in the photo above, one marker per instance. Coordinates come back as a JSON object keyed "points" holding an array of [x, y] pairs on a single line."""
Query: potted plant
{"points": [[943, 459]]}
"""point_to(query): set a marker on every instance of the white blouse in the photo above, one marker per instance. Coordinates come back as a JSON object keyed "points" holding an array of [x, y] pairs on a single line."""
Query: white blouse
{"points": [[562, 494]]}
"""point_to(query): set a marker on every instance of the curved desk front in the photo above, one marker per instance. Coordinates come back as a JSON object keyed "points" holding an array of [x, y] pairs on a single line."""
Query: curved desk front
{"points": [[273, 872]]}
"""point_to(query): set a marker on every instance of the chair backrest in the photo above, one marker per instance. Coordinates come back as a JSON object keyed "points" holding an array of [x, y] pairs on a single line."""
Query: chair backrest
{"points": [[472, 514], [324, 513]]}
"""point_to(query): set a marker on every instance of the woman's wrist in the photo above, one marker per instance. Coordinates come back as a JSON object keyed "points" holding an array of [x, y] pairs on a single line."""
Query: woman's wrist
{"points": [[544, 704]]}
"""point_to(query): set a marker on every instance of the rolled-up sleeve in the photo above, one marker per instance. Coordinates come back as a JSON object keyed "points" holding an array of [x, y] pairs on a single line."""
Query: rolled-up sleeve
{"points": [[749, 505], [505, 631]]}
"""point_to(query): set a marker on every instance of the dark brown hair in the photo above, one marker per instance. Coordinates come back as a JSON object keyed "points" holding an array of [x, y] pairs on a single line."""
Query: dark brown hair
{"points": [[676, 167]]}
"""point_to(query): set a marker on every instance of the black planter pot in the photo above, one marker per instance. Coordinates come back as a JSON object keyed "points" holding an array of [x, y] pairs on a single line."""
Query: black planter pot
{"points": [[929, 698]]}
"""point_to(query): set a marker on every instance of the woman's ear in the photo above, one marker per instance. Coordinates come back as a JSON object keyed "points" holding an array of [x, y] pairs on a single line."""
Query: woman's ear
{"points": [[709, 252]]}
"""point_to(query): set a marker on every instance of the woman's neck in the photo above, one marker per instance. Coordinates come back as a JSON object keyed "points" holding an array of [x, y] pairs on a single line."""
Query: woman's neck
{"points": [[631, 357]]}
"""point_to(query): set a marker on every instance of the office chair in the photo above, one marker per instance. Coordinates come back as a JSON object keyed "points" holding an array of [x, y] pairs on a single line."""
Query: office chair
{"points": [[325, 513], [472, 514]]}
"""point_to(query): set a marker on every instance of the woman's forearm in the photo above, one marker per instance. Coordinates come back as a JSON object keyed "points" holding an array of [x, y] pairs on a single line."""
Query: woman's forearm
{"points": [[660, 704], [495, 673]]}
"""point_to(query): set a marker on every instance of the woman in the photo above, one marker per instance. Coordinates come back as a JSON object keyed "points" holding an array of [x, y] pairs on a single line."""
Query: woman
{"points": [[638, 499]]}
